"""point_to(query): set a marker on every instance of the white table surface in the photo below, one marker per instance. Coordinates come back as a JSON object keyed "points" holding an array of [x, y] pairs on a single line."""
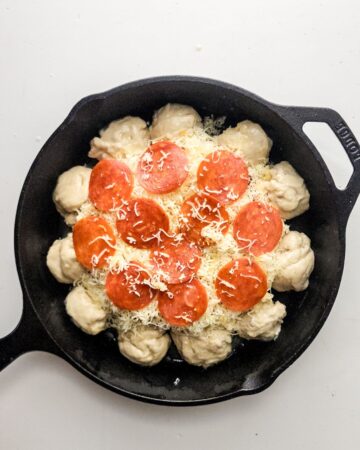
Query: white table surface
{"points": [[52, 53]]}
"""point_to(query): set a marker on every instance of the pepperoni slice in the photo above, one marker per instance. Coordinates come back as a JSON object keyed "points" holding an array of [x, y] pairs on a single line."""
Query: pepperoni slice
{"points": [[162, 168], [176, 261], [223, 175], [199, 211], [94, 241], [183, 303], [111, 182], [240, 284], [129, 288], [142, 223], [258, 228]]}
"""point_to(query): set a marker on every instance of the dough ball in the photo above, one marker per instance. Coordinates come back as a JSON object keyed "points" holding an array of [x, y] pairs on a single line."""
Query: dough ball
{"points": [[172, 119], [205, 349], [129, 134], [71, 191], [287, 190], [70, 266], [85, 311], [295, 261], [53, 261], [249, 139], [144, 345], [61, 261], [263, 321]]}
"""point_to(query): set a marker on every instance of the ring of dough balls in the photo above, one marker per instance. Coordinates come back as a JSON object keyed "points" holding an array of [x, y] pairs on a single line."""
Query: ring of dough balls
{"points": [[129, 134], [61, 261], [295, 262], [71, 191], [290, 263], [262, 322], [205, 349], [87, 313], [287, 190], [144, 345], [173, 119], [249, 139]]}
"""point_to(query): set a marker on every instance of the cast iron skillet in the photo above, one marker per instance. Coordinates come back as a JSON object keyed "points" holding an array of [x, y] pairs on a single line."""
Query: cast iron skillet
{"points": [[254, 365]]}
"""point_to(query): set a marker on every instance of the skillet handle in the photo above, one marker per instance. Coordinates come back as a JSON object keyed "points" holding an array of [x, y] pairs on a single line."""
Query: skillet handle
{"points": [[298, 116], [29, 335]]}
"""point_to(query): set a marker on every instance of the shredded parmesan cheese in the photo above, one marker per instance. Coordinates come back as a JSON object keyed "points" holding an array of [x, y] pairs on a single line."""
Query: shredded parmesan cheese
{"points": [[198, 144]]}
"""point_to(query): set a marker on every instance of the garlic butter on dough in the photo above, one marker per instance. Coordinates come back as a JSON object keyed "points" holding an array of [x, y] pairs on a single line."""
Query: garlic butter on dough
{"points": [[286, 190], [144, 345], [249, 139], [71, 192], [262, 322], [144, 334], [172, 119], [295, 262], [61, 261], [129, 134], [205, 349], [86, 312]]}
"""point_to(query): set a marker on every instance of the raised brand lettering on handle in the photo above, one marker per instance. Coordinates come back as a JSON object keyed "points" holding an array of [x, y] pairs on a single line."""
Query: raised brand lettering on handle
{"points": [[348, 140]]}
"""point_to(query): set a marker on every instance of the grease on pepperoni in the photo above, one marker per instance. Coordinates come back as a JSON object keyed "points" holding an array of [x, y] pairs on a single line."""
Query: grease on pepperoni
{"points": [[111, 182], [223, 175], [142, 223], [94, 241], [257, 228], [199, 211], [176, 261], [162, 168], [129, 289], [183, 303], [240, 284]]}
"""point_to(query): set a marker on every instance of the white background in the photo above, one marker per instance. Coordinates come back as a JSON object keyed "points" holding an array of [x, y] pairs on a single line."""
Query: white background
{"points": [[52, 53]]}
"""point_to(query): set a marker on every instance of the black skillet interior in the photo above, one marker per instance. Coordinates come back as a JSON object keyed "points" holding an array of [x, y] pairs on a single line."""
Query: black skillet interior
{"points": [[254, 365]]}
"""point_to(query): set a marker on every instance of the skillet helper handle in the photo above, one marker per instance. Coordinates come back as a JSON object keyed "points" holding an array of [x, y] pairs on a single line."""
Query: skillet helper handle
{"points": [[300, 115], [29, 335]]}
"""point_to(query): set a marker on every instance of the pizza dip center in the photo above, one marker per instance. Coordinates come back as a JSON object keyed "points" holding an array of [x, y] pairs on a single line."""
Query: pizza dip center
{"points": [[179, 231]]}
